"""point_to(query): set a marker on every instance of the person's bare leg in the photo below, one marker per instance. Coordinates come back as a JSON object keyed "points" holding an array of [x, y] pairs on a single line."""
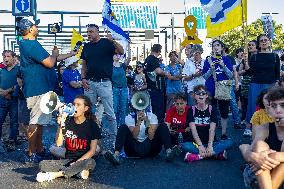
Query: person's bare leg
{"points": [[39, 145], [277, 176], [32, 138], [264, 178]]}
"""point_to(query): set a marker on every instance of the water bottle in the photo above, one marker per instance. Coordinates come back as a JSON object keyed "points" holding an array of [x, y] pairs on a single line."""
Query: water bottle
{"points": [[180, 139]]}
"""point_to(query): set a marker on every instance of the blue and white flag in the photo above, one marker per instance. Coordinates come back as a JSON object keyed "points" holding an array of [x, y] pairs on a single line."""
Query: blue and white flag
{"points": [[217, 9], [110, 23]]}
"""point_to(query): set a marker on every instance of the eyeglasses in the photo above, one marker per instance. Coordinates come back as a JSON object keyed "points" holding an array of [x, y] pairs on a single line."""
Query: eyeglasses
{"points": [[139, 66], [201, 93]]}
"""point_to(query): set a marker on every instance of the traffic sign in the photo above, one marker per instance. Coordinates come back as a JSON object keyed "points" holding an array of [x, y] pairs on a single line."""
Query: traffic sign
{"points": [[23, 7]]}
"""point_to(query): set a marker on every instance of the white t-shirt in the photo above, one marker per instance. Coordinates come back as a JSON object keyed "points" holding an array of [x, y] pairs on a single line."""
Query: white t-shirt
{"points": [[130, 122], [189, 69]]}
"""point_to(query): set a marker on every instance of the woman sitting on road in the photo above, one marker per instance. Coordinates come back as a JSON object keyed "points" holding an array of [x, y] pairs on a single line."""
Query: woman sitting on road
{"points": [[202, 120], [81, 135]]}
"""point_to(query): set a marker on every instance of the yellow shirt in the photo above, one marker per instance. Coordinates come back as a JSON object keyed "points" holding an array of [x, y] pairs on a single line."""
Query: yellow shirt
{"points": [[261, 117]]}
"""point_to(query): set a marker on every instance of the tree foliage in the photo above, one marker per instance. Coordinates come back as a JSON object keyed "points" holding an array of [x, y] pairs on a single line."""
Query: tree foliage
{"points": [[235, 38]]}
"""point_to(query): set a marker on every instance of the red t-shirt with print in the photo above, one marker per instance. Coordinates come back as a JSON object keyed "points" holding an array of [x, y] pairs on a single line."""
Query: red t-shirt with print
{"points": [[178, 122]]}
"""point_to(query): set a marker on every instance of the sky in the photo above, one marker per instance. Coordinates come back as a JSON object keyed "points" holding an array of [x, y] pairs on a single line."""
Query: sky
{"points": [[255, 7], [255, 10]]}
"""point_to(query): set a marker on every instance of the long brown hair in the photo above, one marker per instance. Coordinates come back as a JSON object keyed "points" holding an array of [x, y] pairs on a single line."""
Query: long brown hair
{"points": [[87, 102]]}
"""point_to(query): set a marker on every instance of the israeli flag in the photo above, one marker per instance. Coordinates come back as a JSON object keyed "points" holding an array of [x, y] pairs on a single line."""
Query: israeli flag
{"points": [[217, 9], [110, 23]]}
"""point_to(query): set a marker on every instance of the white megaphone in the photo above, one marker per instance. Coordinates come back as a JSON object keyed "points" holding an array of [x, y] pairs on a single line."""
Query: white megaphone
{"points": [[50, 102], [140, 100]]}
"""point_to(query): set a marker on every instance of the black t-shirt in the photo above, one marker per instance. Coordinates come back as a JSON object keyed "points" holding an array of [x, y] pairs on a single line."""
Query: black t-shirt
{"points": [[78, 137], [264, 68], [202, 120], [153, 81], [99, 59], [272, 140]]}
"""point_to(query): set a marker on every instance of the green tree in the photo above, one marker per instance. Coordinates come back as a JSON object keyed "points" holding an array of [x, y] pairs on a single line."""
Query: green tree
{"points": [[235, 38]]}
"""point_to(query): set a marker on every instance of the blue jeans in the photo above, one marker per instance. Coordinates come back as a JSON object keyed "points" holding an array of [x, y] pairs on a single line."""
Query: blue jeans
{"points": [[120, 96], [218, 146], [235, 108], [11, 107], [104, 91]]}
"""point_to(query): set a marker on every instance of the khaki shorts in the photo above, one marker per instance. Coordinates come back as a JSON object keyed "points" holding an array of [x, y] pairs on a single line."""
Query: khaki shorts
{"points": [[36, 115]]}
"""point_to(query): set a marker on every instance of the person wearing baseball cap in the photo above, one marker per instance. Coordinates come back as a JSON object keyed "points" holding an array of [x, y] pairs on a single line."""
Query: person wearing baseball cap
{"points": [[71, 80], [39, 77]]}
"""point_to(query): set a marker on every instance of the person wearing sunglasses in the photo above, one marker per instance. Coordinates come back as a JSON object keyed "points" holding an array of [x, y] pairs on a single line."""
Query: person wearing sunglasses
{"points": [[202, 120], [266, 153], [264, 67]]}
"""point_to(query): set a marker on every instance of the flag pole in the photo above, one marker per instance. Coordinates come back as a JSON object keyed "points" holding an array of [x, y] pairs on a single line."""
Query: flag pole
{"points": [[244, 26]]}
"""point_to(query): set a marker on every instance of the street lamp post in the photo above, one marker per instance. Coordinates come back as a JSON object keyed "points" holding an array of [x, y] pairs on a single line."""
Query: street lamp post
{"points": [[80, 21]]}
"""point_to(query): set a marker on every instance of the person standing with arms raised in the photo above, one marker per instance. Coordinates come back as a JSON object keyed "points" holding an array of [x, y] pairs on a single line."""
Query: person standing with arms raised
{"points": [[97, 68], [39, 77]]}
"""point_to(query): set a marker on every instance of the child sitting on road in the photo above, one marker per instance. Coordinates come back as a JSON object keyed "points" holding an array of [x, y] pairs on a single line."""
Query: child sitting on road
{"points": [[202, 120]]}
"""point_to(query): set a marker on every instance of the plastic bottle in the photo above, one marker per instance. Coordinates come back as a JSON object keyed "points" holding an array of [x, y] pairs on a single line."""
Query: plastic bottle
{"points": [[180, 139]]}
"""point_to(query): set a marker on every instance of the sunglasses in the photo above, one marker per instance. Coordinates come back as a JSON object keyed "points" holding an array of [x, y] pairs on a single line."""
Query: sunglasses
{"points": [[201, 93]]}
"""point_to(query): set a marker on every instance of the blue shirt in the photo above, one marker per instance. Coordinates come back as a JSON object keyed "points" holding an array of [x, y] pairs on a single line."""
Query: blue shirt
{"points": [[70, 92], [38, 79], [220, 74], [119, 77], [8, 79], [174, 86]]}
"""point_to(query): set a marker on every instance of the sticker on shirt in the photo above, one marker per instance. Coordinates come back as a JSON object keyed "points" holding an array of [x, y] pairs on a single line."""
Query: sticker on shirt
{"points": [[202, 121], [73, 143]]}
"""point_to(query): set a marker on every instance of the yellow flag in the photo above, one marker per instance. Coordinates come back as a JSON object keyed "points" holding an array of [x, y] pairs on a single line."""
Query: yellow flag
{"points": [[234, 18], [76, 36]]}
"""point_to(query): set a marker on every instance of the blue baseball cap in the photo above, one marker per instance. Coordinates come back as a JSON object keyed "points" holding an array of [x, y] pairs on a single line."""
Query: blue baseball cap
{"points": [[26, 24]]}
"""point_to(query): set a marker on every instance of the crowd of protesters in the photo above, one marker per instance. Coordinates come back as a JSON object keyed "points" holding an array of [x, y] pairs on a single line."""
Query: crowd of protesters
{"points": [[183, 113]]}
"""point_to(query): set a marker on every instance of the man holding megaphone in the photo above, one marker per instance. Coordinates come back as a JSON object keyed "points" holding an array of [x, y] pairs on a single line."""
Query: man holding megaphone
{"points": [[39, 77], [141, 135]]}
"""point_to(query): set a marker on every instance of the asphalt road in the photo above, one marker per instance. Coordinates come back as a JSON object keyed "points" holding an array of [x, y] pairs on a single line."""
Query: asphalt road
{"points": [[133, 173]]}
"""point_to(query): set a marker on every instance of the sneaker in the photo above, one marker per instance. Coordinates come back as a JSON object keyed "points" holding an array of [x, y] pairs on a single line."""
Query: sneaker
{"points": [[243, 122], [222, 155], [177, 150], [170, 154], [113, 158], [41, 177], [247, 133], [34, 158], [84, 174], [44, 153], [11, 145], [189, 157], [224, 137]]}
